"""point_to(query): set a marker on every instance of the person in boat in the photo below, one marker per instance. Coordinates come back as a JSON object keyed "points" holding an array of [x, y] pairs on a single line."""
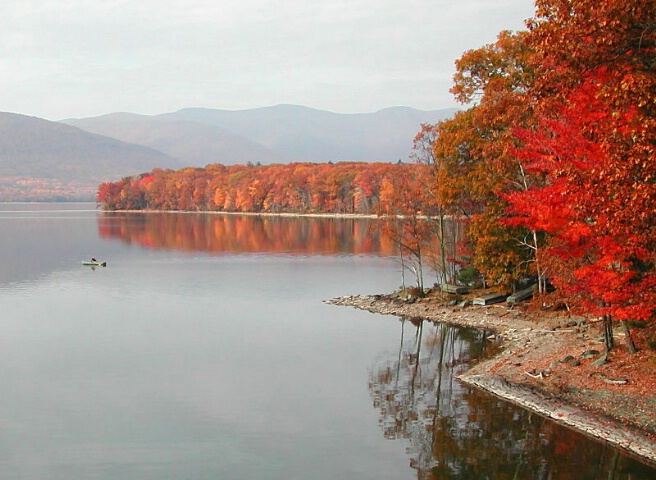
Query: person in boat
{"points": [[94, 260]]}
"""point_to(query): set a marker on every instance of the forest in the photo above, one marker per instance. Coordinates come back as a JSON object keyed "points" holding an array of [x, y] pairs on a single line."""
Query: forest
{"points": [[549, 172]]}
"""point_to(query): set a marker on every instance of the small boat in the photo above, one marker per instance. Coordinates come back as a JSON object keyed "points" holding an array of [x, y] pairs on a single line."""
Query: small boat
{"points": [[489, 299], [94, 263], [457, 289], [521, 295]]}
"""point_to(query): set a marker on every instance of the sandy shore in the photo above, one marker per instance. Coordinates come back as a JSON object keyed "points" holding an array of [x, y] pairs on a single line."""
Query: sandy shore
{"points": [[546, 364]]}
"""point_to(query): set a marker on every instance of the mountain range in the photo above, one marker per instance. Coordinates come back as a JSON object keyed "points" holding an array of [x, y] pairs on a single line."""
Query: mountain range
{"points": [[44, 160]]}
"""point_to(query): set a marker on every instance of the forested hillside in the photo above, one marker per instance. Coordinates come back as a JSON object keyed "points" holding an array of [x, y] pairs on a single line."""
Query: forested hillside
{"points": [[43, 160]]}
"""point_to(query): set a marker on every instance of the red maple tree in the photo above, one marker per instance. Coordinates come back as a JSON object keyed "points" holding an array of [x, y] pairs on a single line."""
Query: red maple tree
{"points": [[598, 204]]}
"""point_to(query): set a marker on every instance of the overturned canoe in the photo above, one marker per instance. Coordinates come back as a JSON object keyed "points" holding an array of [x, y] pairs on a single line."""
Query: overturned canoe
{"points": [[489, 299], [521, 295], [457, 289]]}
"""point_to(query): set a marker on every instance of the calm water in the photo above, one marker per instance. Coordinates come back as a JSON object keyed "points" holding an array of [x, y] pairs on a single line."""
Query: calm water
{"points": [[204, 351]]}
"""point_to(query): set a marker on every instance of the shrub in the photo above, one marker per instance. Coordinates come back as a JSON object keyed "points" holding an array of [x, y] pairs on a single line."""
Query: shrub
{"points": [[651, 344], [469, 275]]}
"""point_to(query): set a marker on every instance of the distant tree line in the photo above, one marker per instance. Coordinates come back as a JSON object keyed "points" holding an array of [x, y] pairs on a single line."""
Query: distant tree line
{"points": [[340, 188], [401, 193]]}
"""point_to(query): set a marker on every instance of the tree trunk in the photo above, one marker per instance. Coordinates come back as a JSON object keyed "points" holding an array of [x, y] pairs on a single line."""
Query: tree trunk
{"points": [[420, 272], [608, 332], [538, 267], [627, 334], [442, 241]]}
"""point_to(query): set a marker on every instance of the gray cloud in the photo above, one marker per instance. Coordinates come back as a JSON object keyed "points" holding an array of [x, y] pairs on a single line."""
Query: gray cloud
{"points": [[75, 58]]}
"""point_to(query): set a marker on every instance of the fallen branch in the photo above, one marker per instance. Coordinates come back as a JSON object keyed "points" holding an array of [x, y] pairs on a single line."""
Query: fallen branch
{"points": [[613, 381]]}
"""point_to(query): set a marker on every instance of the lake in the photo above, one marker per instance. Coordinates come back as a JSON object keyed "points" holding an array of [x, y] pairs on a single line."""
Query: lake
{"points": [[204, 350]]}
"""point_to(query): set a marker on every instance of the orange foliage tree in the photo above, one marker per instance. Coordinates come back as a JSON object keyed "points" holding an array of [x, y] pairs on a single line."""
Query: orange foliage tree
{"points": [[404, 196], [474, 157]]}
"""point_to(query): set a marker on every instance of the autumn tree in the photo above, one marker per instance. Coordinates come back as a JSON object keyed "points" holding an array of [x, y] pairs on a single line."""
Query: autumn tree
{"points": [[475, 163], [595, 94], [403, 197], [108, 195], [444, 260]]}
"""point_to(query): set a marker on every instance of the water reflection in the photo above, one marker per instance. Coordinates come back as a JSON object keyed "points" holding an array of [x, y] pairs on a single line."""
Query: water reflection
{"points": [[207, 232], [41, 238], [455, 432]]}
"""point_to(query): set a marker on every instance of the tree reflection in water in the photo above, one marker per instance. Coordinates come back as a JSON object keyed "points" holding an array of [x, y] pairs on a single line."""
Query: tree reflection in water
{"points": [[222, 233], [457, 432]]}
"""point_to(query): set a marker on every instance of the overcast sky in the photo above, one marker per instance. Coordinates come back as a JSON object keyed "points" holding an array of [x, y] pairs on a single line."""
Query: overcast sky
{"points": [[78, 58]]}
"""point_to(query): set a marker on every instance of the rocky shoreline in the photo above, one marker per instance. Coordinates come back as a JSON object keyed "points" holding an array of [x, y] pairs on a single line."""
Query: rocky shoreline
{"points": [[549, 364]]}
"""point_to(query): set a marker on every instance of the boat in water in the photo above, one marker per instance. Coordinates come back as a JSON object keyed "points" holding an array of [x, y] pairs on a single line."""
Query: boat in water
{"points": [[94, 263]]}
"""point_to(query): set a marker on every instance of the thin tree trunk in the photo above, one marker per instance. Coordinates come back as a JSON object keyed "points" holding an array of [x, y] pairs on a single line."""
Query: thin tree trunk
{"points": [[627, 334], [402, 266], [608, 333], [420, 273], [538, 268], [443, 249]]}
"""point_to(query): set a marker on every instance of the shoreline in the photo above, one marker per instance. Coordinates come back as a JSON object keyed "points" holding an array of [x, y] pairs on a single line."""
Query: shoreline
{"points": [[529, 371], [370, 216]]}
